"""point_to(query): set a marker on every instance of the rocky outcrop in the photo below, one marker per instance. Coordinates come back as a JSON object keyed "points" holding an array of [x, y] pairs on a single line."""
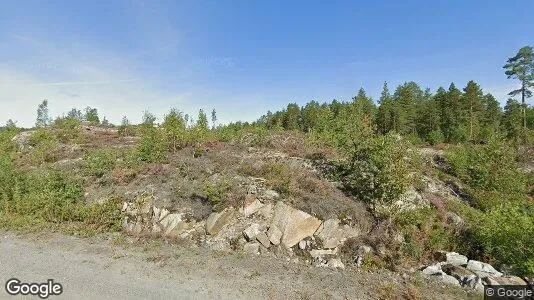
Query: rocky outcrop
{"points": [[294, 224], [22, 139], [504, 280], [456, 259], [332, 235], [482, 270], [462, 274], [256, 228], [217, 221], [470, 274]]}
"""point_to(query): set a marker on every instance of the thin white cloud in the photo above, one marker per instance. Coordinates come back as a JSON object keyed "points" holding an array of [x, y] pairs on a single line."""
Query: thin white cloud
{"points": [[66, 83]]}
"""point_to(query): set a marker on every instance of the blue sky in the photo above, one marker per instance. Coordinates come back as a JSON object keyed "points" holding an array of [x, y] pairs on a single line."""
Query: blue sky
{"points": [[245, 57]]}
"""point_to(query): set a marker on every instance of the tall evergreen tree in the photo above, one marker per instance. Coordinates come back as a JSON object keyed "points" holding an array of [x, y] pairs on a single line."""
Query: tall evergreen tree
{"points": [[75, 114], [385, 118], [310, 115], [213, 118], [291, 119], [521, 67], [148, 119], [407, 97], [429, 119], [512, 120], [43, 117], [364, 103], [452, 114], [472, 105], [491, 117]]}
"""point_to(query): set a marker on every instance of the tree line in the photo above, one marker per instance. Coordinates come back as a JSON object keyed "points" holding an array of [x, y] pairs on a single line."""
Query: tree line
{"points": [[451, 115]]}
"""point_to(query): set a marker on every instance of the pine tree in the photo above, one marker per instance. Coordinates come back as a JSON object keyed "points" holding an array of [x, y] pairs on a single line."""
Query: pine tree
{"points": [[213, 118], [75, 114], [512, 119], [521, 67], [91, 116], [10, 124], [429, 119], [407, 97], [364, 104], [472, 104], [385, 119], [310, 115], [491, 117], [291, 119], [148, 119], [452, 114], [43, 117]]}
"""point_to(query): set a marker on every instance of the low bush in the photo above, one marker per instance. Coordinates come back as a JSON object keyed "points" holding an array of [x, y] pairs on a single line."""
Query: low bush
{"points": [[36, 199], [44, 147], [379, 171], [218, 193], [100, 162], [490, 172], [152, 147], [68, 129], [505, 234]]}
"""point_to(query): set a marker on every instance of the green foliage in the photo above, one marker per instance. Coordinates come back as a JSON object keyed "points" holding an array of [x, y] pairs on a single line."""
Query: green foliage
{"points": [[505, 234], [512, 121], [425, 232], [364, 103], [125, 129], [472, 103], [379, 171], [68, 129], [43, 117], [435, 137], [291, 119], [91, 116], [200, 132], [490, 171], [152, 145], [344, 130], [38, 199], [7, 146], [44, 146], [100, 162], [218, 192], [175, 130]]}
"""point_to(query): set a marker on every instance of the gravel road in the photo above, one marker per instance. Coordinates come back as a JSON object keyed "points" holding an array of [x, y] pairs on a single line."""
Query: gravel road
{"points": [[99, 268]]}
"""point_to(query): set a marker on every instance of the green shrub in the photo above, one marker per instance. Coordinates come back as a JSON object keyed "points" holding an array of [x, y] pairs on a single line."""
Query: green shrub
{"points": [[435, 137], [7, 146], [490, 172], [506, 236], [152, 146], [125, 129], [44, 147], [218, 192], [100, 162], [175, 130], [379, 171], [425, 232], [68, 129], [30, 200]]}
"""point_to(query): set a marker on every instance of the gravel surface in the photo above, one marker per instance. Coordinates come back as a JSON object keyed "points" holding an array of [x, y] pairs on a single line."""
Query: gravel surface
{"points": [[101, 268]]}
